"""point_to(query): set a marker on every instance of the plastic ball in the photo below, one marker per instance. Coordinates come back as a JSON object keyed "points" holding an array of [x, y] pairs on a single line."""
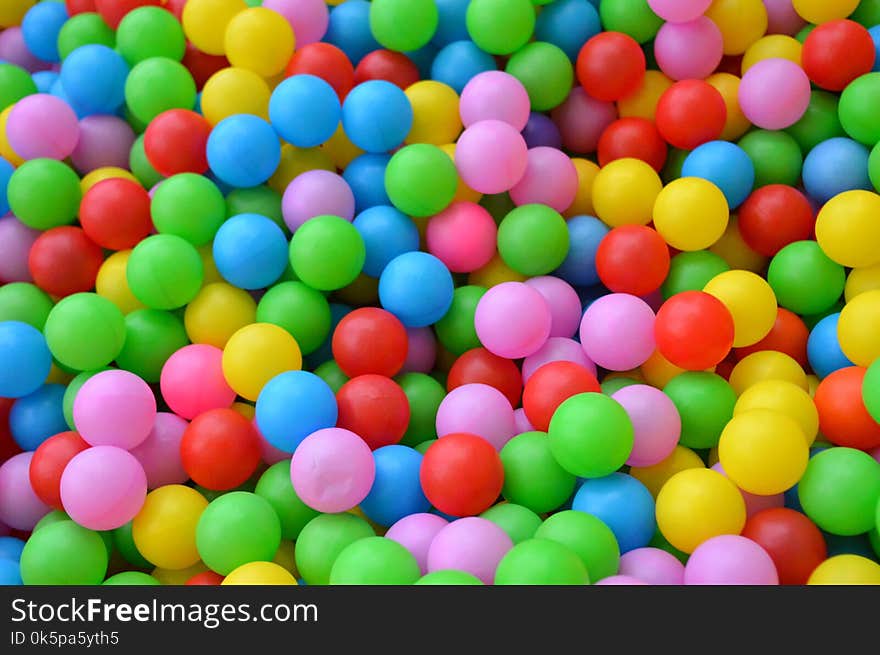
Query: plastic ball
{"points": [[192, 381], [396, 492], [857, 343], [494, 95], [461, 474], [48, 463], [730, 560], [114, 408], [375, 408], [250, 251], [773, 217], [415, 532], [115, 214], [220, 449], [766, 365], [403, 26], [146, 79], [316, 193], [620, 248], [463, 236], [653, 566], [656, 423], [588, 537], [815, 11], [474, 545], [679, 12], [159, 453], [309, 252], [689, 50], [500, 27], [36, 417], [491, 156], [321, 541], [495, 314], [294, 398], [520, 523], [845, 570], [844, 419], [582, 120], [374, 561], [835, 166], [260, 40], [793, 542], [63, 261], [421, 180], [622, 503], [633, 137], [556, 349], [550, 386], [42, 125], [243, 150], [610, 66], [33, 205], [836, 53], [816, 287], [305, 110], [275, 486], [370, 340], [256, 354], [724, 164], [457, 413], [85, 331], [175, 142], [164, 531], [750, 301], [545, 71], [617, 331], [259, 573], [164, 271], [541, 562], [377, 116], [845, 231], [64, 553], [532, 477], [625, 192], [690, 113], [691, 213]]}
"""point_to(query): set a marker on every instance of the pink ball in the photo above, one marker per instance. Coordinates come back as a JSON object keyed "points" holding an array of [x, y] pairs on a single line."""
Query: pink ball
{"points": [[730, 560], [774, 93], [679, 11], [103, 487], [421, 353], [491, 156], [42, 125], [16, 240], [114, 408], [20, 508], [513, 320], [690, 50], [655, 420], [550, 179], [653, 566], [103, 141], [755, 503], [192, 381], [564, 303], [316, 193], [495, 95], [415, 533], [308, 18], [14, 51], [557, 349], [521, 421], [269, 453], [617, 332], [332, 470], [463, 236], [620, 581], [159, 454], [875, 454], [474, 545], [782, 18], [477, 409], [4, 529], [582, 119]]}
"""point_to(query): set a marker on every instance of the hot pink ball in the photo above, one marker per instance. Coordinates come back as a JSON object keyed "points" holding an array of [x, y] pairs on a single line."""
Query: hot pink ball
{"points": [[103, 487], [159, 454], [656, 422], [114, 408], [782, 18], [620, 581], [332, 470], [20, 508], [192, 381], [679, 11], [513, 320], [16, 240], [14, 51], [477, 409], [471, 544], [491, 156], [316, 193], [582, 119], [730, 560], [550, 179], [564, 302], [617, 332], [557, 349], [308, 18], [463, 236], [421, 353], [415, 533], [103, 141], [495, 95], [42, 125], [774, 93], [690, 50], [269, 453], [653, 566], [521, 421], [755, 503]]}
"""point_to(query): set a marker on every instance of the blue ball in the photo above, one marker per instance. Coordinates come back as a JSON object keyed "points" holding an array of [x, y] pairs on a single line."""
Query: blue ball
{"points": [[568, 24], [377, 116], [366, 177], [452, 23], [875, 37], [423, 58], [93, 77], [305, 110], [6, 171], [624, 504], [44, 80], [40, 29], [10, 548], [291, 406], [349, 30], [38, 416], [417, 288], [325, 352], [823, 348], [458, 62], [397, 490], [835, 166], [10, 573], [724, 164], [250, 251], [541, 131], [58, 91], [387, 233], [25, 360], [243, 150], [584, 235]]}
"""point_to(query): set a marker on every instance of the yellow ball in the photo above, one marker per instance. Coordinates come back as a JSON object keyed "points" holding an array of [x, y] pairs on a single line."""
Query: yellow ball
{"points": [[217, 312], [846, 570], [6, 150], [742, 22], [260, 40], [285, 557], [858, 329], [860, 280], [170, 577], [691, 213], [642, 103], [340, 149], [764, 452], [813, 384], [112, 283], [259, 573], [435, 113], [654, 477], [164, 531], [773, 46], [256, 354], [12, 11], [295, 161], [205, 21], [105, 173], [736, 124], [658, 371], [495, 272], [822, 11], [848, 228], [245, 409], [733, 249], [785, 398], [696, 505], [766, 365], [463, 193], [750, 301], [234, 91], [212, 275], [624, 192], [583, 199]]}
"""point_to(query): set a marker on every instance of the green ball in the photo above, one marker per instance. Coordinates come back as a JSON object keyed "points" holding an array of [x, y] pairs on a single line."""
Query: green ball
{"points": [[375, 561], [533, 240], [64, 553], [705, 403], [591, 435], [164, 271], [85, 331], [189, 206], [691, 271], [520, 523], [327, 253], [150, 32], [456, 330], [25, 302], [500, 27], [449, 577], [424, 394], [840, 490], [72, 389], [44, 193], [819, 123], [237, 528], [633, 17], [614, 385], [15, 84], [141, 167], [871, 390], [330, 372], [55, 516], [151, 337], [804, 279], [262, 200], [158, 84], [421, 180], [124, 543], [588, 537], [84, 29], [403, 25], [323, 539], [874, 167], [275, 486], [546, 72], [541, 562], [776, 155], [131, 579], [867, 14], [811, 319], [857, 109], [423, 447], [532, 477], [805, 32], [299, 309]]}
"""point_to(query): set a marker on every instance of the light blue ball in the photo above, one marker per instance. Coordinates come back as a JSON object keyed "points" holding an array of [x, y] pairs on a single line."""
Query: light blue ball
{"points": [[243, 150], [458, 62], [875, 37], [397, 490], [387, 233], [823, 348], [10, 572], [377, 116], [10, 548], [451, 25], [835, 166], [250, 251], [366, 177], [584, 235], [568, 24], [423, 58], [93, 77], [417, 288], [349, 29], [44, 80], [38, 416], [291, 406], [58, 91], [6, 171], [305, 110], [624, 504], [25, 360], [40, 29], [724, 164]]}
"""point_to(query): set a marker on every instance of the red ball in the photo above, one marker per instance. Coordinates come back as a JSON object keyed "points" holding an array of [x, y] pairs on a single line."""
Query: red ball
{"points": [[370, 340], [394, 67], [8, 445], [115, 214], [64, 261], [113, 11], [461, 474], [205, 578], [632, 259], [552, 384], [836, 53], [325, 61], [176, 141], [202, 65], [773, 217], [843, 418], [793, 542], [788, 335], [633, 137], [176, 7], [220, 449], [75, 7], [610, 66], [375, 408], [48, 463], [479, 366], [690, 113], [694, 330]]}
